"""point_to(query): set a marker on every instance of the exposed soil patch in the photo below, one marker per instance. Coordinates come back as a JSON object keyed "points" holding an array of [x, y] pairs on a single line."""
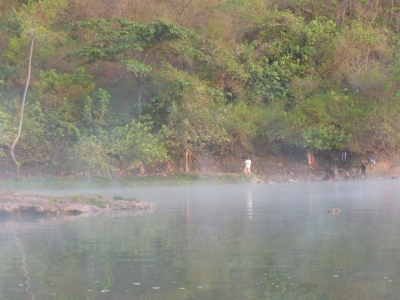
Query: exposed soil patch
{"points": [[14, 203]]}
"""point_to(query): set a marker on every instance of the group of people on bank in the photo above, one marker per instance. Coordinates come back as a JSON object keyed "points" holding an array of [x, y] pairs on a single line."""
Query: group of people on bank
{"points": [[349, 174], [354, 172]]}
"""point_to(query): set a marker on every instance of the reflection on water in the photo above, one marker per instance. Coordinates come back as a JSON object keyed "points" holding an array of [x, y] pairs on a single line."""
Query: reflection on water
{"points": [[249, 204], [225, 242], [24, 266]]}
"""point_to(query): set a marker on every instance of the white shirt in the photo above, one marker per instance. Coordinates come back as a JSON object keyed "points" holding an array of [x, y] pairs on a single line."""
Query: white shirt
{"points": [[247, 162]]}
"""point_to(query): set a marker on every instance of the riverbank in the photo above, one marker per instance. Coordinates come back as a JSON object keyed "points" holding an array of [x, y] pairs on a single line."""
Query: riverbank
{"points": [[28, 198], [283, 175], [273, 169]]}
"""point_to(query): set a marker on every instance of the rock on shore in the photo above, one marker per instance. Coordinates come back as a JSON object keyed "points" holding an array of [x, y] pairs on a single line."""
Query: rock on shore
{"points": [[14, 203]]}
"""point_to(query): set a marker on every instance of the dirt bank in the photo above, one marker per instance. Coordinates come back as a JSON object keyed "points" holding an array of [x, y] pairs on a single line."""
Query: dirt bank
{"points": [[290, 168]]}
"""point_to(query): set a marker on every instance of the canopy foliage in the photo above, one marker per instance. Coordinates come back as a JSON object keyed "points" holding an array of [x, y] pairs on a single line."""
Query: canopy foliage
{"points": [[227, 78]]}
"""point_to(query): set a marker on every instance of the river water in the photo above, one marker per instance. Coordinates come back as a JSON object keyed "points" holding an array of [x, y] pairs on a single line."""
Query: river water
{"points": [[214, 242]]}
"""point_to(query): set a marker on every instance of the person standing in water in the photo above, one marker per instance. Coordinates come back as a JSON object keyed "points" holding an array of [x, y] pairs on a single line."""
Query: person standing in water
{"points": [[247, 165]]}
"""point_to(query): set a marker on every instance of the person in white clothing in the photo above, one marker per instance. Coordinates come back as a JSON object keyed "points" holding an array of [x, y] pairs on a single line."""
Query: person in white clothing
{"points": [[247, 165]]}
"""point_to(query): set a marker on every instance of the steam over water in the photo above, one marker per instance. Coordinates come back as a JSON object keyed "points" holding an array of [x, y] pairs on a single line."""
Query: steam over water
{"points": [[214, 242]]}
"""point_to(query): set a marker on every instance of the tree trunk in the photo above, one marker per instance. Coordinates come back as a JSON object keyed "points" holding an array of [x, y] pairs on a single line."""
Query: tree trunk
{"points": [[186, 160], [21, 118]]}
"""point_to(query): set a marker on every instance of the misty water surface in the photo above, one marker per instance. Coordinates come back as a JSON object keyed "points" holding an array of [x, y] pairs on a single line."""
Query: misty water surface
{"points": [[214, 242]]}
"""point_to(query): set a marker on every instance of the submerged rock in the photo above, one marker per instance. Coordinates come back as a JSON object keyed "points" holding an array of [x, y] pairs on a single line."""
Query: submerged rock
{"points": [[12, 203], [333, 211]]}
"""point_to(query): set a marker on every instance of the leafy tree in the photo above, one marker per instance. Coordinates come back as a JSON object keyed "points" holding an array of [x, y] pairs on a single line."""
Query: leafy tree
{"points": [[195, 120], [285, 48], [34, 21], [89, 155], [359, 50], [242, 128], [256, 129], [95, 111], [134, 144], [275, 55], [6, 133], [377, 127], [132, 44], [60, 111], [321, 122], [34, 146], [53, 87], [127, 145]]}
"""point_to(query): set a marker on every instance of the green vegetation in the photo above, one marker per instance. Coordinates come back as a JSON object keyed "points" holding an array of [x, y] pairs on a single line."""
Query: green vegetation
{"points": [[102, 92], [119, 197], [89, 200]]}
